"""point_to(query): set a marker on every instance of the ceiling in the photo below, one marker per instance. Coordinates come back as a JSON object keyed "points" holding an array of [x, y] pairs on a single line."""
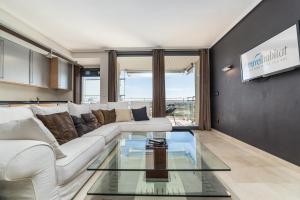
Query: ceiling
{"points": [[172, 63], [89, 25]]}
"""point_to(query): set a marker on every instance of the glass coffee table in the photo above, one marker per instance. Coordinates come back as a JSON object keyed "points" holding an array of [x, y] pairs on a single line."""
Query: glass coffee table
{"points": [[182, 168]]}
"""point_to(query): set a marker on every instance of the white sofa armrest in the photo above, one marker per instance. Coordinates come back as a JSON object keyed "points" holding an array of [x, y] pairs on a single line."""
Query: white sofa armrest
{"points": [[27, 169]]}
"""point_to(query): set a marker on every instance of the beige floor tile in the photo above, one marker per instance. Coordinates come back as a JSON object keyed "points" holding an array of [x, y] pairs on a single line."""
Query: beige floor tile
{"points": [[255, 175]]}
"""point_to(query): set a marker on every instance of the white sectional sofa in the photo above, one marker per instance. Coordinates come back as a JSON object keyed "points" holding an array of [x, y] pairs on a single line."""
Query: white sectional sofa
{"points": [[30, 170]]}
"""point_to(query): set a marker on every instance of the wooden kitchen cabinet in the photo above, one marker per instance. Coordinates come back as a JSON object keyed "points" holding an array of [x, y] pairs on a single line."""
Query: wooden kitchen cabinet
{"points": [[60, 74]]}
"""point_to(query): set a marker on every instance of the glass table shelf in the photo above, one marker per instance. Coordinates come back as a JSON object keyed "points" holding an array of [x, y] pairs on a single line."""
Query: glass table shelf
{"points": [[184, 153], [179, 184]]}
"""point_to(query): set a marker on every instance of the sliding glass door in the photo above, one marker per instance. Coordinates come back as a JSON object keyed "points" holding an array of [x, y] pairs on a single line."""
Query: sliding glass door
{"points": [[181, 80], [135, 80]]}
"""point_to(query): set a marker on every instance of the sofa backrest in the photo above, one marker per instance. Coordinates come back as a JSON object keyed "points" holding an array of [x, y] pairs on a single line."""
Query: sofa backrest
{"points": [[18, 113], [41, 110], [97, 106], [118, 105], [115, 105], [78, 109], [110, 105], [8, 114]]}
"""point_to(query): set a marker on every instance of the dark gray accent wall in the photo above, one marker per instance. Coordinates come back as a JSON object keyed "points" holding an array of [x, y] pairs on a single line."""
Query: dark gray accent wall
{"points": [[265, 112]]}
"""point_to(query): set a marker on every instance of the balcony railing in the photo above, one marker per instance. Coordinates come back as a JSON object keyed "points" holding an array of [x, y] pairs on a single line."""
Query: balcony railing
{"points": [[184, 113], [90, 98]]}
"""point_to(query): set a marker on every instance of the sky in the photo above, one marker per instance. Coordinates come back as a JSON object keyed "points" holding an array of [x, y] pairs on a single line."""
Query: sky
{"points": [[177, 85], [139, 86]]}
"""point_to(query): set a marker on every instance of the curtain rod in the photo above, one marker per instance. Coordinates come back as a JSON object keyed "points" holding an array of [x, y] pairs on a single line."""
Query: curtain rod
{"points": [[30, 41], [166, 52], [149, 50]]}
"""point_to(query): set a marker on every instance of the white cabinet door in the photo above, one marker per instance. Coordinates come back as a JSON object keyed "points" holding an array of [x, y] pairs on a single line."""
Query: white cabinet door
{"points": [[40, 70], [15, 63]]}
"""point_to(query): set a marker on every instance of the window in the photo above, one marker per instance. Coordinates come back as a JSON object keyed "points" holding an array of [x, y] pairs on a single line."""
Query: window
{"points": [[90, 86]]}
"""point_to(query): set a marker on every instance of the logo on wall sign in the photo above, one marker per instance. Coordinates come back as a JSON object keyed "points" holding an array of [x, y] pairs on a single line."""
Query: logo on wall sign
{"points": [[263, 58]]}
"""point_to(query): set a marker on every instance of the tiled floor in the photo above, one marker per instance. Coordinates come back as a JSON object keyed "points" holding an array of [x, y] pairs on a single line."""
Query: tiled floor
{"points": [[255, 175]]}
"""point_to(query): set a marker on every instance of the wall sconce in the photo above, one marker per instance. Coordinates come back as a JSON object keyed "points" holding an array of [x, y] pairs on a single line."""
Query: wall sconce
{"points": [[227, 68]]}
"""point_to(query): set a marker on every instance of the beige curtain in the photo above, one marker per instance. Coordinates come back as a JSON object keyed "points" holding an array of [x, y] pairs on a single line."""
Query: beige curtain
{"points": [[204, 93], [112, 76], [158, 71]]}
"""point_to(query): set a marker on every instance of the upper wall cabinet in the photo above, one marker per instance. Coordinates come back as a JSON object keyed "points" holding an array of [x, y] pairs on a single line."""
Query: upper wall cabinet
{"points": [[60, 74], [15, 61], [24, 66], [39, 70]]}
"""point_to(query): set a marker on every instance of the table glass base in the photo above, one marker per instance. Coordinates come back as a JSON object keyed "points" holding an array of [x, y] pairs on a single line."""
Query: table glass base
{"points": [[179, 184]]}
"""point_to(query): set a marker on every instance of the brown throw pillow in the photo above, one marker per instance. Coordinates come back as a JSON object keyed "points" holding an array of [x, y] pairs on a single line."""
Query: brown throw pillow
{"points": [[61, 126], [105, 116], [81, 126], [99, 115], [90, 120], [109, 116]]}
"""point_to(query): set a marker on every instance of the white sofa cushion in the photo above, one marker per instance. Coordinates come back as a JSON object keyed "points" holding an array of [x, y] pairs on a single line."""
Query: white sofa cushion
{"points": [[78, 109], [108, 132], [97, 106], [79, 153], [15, 113], [29, 129], [39, 110], [153, 124]]}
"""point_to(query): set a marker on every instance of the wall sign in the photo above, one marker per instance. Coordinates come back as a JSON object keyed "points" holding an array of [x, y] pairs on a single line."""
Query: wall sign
{"points": [[278, 54]]}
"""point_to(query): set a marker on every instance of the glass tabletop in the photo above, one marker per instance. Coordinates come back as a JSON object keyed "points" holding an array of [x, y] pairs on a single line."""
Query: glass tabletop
{"points": [[183, 153], [178, 184]]}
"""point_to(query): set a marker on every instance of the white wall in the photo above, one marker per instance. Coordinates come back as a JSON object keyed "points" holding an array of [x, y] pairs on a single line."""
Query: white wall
{"points": [[14, 92]]}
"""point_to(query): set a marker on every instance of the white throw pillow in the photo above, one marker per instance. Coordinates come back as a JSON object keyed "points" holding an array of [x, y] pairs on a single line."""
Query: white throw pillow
{"points": [[123, 115], [97, 106], [78, 109], [14, 113], [39, 110], [29, 129]]}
